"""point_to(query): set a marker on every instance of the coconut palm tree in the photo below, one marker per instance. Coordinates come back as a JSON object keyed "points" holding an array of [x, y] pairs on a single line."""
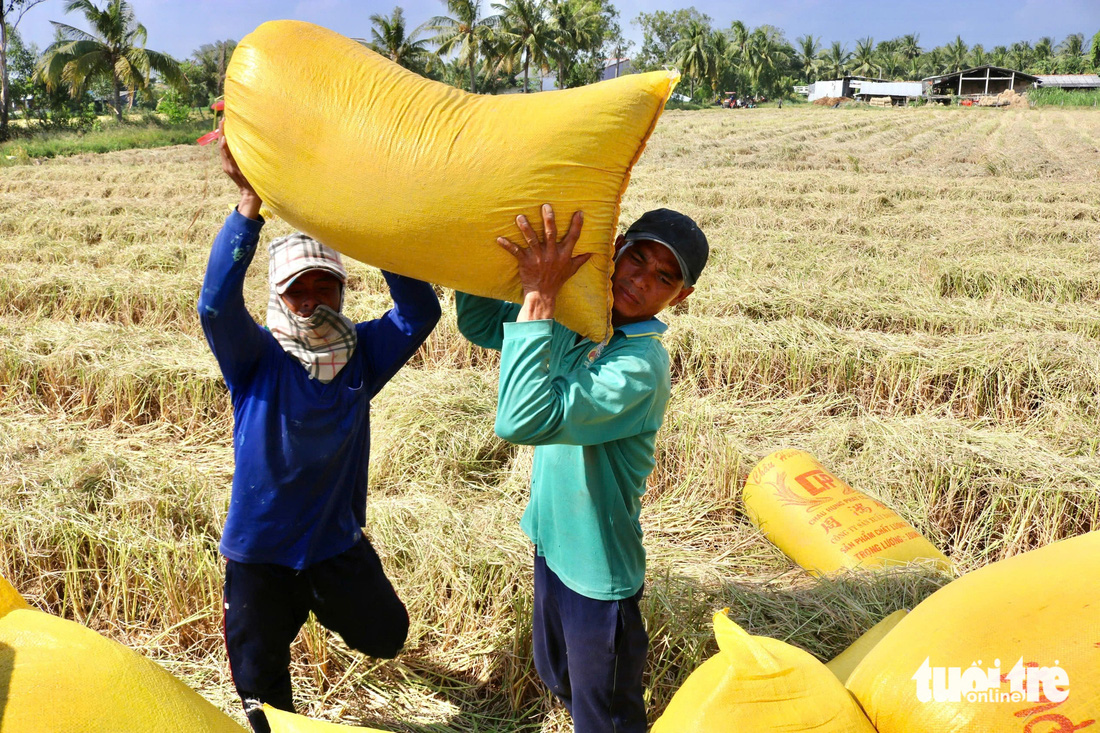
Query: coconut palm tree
{"points": [[894, 65], [836, 60], [1020, 55], [910, 45], [114, 50], [978, 56], [766, 57], [998, 56], [464, 32], [1094, 52], [863, 60], [526, 36], [807, 50], [955, 54], [213, 58], [1071, 54], [390, 38], [694, 54], [578, 26]]}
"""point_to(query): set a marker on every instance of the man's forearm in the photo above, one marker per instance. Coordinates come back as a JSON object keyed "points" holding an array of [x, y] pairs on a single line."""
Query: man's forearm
{"points": [[537, 307]]}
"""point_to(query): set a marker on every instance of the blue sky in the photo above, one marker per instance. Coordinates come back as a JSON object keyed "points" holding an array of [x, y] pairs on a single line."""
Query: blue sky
{"points": [[178, 26]]}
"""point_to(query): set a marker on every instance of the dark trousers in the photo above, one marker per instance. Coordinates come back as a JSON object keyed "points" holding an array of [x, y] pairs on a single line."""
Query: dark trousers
{"points": [[590, 654], [266, 605]]}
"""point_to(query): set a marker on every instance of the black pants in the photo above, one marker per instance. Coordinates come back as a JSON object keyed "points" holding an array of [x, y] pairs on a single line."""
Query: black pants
{"points": [[266, 605], [591, 654]]}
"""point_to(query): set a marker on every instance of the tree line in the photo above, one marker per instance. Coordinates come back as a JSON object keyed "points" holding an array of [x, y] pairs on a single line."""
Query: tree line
{"points": [[489, 48]]}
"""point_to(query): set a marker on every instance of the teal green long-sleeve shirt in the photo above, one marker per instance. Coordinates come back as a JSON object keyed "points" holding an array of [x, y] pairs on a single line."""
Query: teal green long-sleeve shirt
{"points": [[593, 416]]}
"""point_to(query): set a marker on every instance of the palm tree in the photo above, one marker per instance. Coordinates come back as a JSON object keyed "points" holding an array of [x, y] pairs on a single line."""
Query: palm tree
{"points": [[998, 56], [114, 50], [389, 38], [1071, 54], [463, 31], [863, 60], [578, 27], [977, 56], [807, 52], [1044, 48], [955, 54], [1020, 55], [910, 45], [524, 33], [1094, 52], [932, 63], [893, 64], [766, 56], [694, 54], [836, 60], [213, 58]]}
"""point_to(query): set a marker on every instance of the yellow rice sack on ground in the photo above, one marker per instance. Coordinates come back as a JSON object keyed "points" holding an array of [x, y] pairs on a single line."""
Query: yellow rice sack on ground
{"points": [[284, 722], [420, 178], [822, 523], [761, 685], [56, 675], [1013, 647], [842, 664]]}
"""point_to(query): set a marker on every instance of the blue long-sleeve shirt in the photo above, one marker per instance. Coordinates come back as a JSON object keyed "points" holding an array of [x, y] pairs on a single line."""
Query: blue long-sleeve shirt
{"points": [[301, 446]]}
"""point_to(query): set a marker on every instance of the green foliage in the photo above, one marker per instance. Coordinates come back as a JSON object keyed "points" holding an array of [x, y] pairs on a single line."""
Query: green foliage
{"points": [[1053, 97], [114, 50], [173, 106], [77, 134], [661, 30]]}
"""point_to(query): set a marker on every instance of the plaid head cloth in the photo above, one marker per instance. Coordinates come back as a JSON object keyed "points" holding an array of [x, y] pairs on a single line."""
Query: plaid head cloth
{"points": [[325, 341]]}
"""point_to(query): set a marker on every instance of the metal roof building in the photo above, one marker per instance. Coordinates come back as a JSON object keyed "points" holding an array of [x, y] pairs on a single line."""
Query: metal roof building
{"points": [[1070, 81], [977, 82]]}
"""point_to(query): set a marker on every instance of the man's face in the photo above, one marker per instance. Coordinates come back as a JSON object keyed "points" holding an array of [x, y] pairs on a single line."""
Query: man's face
{"points": [[647, 280], [311, 289]]}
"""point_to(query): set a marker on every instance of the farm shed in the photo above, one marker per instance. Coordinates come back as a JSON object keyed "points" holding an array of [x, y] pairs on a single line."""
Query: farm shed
{"points": [[977, 82], [899, 92], [1070, 81], [836, 87]]}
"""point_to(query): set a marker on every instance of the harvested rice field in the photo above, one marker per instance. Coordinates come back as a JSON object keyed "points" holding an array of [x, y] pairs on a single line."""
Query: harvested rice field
{"points": [[911, 295]]}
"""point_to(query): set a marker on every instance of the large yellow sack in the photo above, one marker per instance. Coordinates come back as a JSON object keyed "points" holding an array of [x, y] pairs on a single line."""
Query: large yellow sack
{"points": [[761, 685], [1015, 617], [56, 675], [284, 722], [420, 178], [822, 523], [843, 664]]}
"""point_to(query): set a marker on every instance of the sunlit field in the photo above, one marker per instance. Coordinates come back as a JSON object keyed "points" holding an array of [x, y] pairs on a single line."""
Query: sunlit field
{"points": [[911, 295]]}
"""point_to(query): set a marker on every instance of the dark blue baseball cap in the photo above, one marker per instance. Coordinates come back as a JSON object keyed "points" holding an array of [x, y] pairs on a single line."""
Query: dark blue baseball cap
{"points": [[677, 232]]}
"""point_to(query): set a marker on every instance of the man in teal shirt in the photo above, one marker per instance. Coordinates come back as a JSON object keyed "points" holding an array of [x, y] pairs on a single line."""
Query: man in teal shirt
{"points": [[593, 412]]}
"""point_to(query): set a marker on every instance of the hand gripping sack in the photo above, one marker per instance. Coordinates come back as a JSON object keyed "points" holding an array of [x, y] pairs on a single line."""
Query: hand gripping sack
{"points": [[822, 523], [1013, 647], [60, 676], [761, 685], [420, 178]]}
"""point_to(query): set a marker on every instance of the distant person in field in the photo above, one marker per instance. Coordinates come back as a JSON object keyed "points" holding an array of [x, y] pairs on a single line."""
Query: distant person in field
{"points": [[592, 412], [301, 391]]}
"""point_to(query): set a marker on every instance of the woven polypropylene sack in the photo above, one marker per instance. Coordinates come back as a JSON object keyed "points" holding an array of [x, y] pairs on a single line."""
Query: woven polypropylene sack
{"points": [[56, 675], [283, 722], [999, 625], [420, 178], [823, 524], [761, 685], [843, 664]]}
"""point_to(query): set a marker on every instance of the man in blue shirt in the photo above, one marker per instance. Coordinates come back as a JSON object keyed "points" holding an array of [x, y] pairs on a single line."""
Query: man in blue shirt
{"points": [[301, 392]]}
